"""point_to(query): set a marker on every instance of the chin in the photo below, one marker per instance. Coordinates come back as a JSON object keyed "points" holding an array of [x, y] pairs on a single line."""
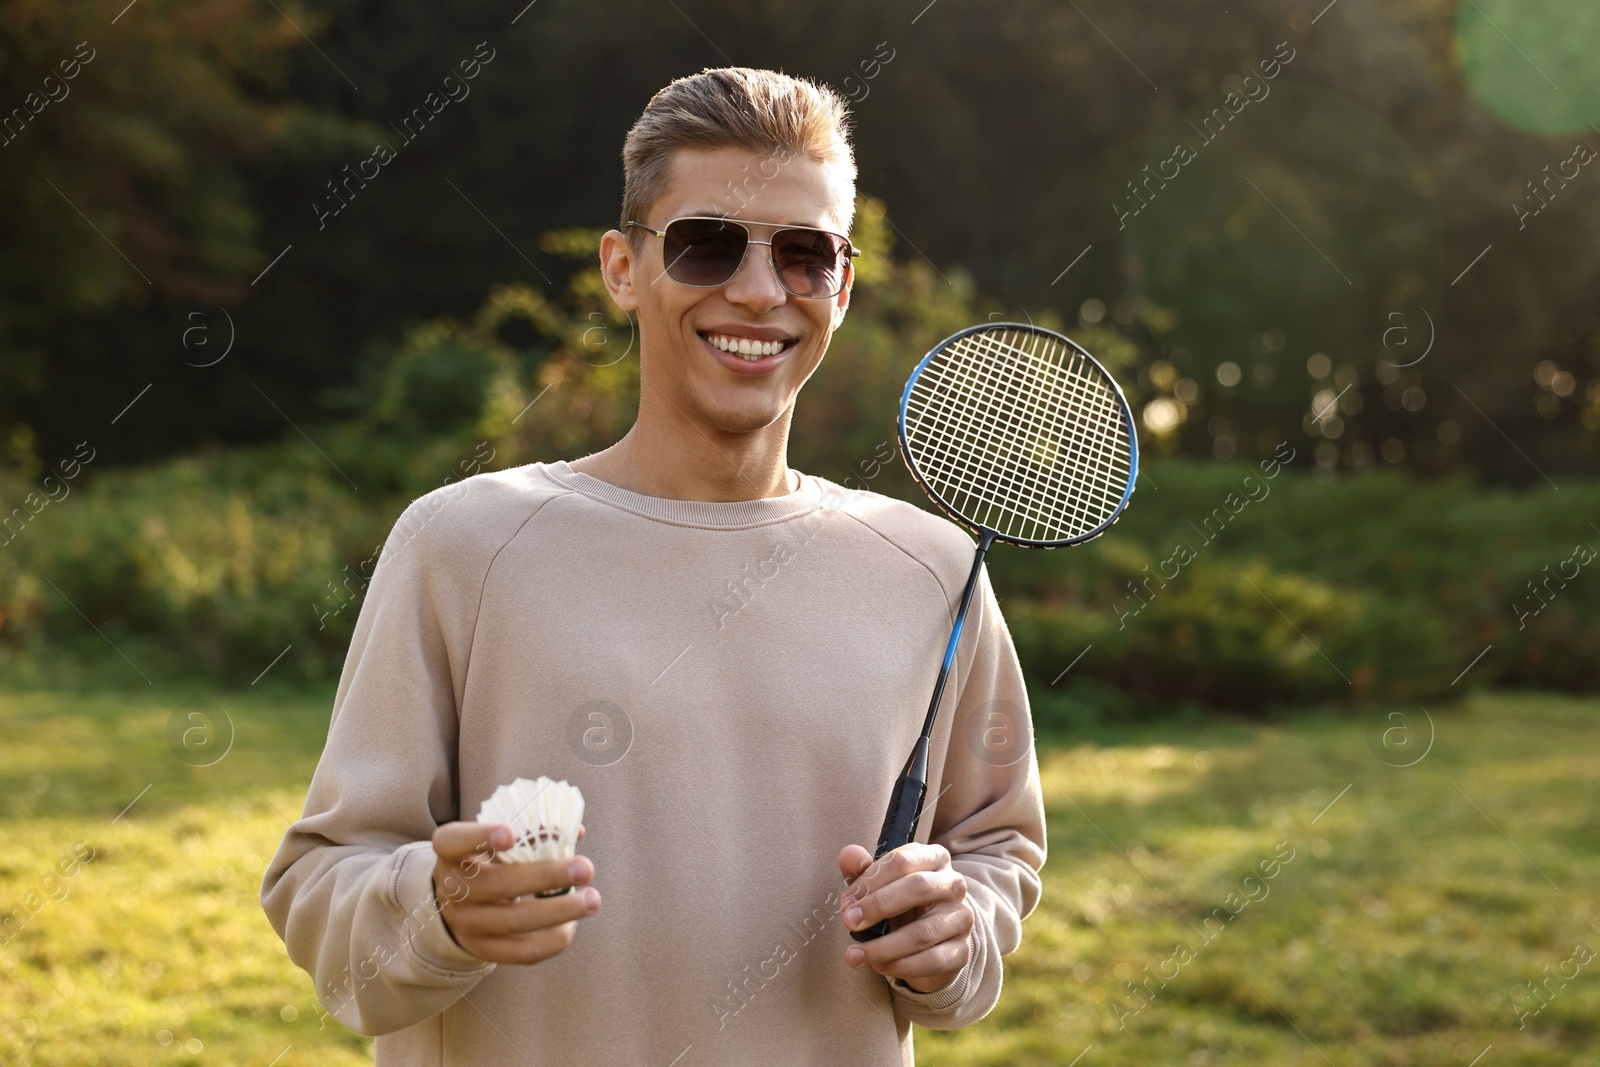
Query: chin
{"points": [[755, 414], [743, 421]]}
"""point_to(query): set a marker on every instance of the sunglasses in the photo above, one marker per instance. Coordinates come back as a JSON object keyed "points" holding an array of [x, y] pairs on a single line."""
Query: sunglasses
{"points": [[707, 251]]}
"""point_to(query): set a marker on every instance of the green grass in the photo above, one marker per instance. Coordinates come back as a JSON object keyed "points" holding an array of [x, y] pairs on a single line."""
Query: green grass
{"points": [[1395, 934], [156, 950]]}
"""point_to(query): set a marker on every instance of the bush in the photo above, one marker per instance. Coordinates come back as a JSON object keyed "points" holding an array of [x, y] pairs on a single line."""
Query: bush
{"points": [[1400, 583], [228, 557], [1243, 637]]}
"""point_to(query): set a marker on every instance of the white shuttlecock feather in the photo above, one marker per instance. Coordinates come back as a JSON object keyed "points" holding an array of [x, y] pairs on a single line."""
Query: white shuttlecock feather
{"points": [[543, 815]]}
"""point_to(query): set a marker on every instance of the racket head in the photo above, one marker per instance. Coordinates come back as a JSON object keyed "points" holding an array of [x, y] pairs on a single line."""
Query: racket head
{"points": [[1016, 430]]}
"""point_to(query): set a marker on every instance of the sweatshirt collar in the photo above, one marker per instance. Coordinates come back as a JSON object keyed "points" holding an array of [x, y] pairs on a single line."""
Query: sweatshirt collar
{"points": [[709, 514]]}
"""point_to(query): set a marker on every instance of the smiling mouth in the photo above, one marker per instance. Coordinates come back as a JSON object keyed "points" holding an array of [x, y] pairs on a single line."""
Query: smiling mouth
{"points": [[744, 347]]}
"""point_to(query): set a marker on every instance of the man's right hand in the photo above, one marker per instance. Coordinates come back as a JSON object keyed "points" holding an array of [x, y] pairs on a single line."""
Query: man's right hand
{"points": [[488, 905]]}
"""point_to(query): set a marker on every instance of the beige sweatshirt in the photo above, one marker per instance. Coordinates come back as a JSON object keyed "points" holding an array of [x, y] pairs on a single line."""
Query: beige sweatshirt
{"points": [[735, 687]]}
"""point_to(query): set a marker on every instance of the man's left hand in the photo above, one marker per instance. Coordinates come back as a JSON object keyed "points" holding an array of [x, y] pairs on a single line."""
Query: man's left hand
{"points": [[928, 947]]}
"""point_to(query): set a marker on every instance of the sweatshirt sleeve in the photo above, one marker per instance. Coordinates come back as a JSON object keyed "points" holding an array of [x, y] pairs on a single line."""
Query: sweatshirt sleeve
{"points": [[350, 889], [990, 817]]}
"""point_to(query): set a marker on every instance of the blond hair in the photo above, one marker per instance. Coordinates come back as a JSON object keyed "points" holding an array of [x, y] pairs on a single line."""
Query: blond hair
{"points": [[734, 107]]}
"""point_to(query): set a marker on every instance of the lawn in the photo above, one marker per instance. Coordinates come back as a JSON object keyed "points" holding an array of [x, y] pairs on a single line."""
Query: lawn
{"points": [[1237, 893]]}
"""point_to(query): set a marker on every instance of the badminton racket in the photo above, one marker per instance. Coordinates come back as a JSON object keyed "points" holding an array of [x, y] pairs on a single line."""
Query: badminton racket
{"points": [[1020, 435]]}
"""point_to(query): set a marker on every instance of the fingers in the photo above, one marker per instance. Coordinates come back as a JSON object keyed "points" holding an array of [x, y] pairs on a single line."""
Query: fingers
{"points": [[934, 942], [457, 841], [917, 884], [466, 867], [944, 961], [500, 880], [909, 876], [920, 890], [897, 864], [521, 931], [511, 917]]}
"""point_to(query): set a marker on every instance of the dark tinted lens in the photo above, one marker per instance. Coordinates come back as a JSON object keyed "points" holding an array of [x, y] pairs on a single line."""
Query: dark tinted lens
{"points": [[809, 262], [703, 251]]}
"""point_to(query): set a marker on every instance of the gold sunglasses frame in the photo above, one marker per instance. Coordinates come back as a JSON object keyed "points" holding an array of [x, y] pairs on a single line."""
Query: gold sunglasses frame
{"points": [[750, 240]]}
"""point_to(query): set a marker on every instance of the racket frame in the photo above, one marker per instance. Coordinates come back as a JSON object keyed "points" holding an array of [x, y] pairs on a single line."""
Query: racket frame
{"points": [[945, 506]]}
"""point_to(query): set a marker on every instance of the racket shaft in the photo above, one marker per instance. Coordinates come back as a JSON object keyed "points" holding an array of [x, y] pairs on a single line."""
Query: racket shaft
{"points": [[899, 827], [905, 803], [985, 539]]}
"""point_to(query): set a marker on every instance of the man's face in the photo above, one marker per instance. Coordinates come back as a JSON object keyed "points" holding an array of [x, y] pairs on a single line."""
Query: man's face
{"points": [[677, 323]]}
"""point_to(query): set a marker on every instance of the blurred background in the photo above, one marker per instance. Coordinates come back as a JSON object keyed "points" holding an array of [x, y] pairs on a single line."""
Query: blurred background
{"points": [[268, 277]]}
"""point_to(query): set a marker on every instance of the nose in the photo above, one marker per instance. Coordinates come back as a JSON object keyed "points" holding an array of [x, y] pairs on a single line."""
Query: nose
{"points": [[753, 286]]}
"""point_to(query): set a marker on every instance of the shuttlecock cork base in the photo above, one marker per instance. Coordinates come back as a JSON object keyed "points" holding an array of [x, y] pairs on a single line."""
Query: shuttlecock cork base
{"points": [[543, 816]]}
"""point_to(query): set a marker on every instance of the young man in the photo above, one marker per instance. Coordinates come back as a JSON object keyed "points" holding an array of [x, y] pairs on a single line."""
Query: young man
{"points": [[729, 657]]}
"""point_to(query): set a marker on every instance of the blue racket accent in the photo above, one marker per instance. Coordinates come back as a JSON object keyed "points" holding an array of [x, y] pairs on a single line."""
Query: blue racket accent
{"points": [[955, 638]]}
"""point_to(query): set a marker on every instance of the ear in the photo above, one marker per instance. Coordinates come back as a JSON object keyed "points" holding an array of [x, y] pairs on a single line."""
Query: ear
{"points": [[841, 303], [617, 262]]}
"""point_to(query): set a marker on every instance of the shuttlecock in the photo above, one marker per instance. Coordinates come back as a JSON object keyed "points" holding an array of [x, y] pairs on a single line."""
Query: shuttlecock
{"points": [[543, 816]]}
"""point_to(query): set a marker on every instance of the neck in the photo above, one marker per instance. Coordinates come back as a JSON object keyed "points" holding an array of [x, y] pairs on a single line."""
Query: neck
{"points": [[694, 462]]}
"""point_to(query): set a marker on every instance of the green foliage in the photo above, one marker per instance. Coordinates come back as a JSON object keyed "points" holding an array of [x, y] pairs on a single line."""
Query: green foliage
{"points": [[224, 558], [1372, 586], [1240, 636]]}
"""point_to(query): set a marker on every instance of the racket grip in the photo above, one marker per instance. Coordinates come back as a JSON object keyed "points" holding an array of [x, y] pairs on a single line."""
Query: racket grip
{"points": [[899, 827]]}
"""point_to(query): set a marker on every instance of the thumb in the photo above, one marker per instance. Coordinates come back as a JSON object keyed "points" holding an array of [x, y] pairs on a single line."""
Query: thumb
{"points": [[853, 859]]}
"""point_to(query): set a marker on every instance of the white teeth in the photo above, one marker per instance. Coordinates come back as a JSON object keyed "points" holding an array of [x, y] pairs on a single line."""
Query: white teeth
{"points": [[744, 347]]}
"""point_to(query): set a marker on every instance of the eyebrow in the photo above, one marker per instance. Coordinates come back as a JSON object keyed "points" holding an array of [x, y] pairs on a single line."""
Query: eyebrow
{"points": [[710, 214]]}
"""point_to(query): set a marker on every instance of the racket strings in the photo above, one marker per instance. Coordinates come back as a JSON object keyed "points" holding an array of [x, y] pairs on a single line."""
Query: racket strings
{"points": [[1085, 416], [1094, 422], [1086, 477], [1042, 522], [1018, 488], [1018, 439], [1019, 481], [970, 454]]}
